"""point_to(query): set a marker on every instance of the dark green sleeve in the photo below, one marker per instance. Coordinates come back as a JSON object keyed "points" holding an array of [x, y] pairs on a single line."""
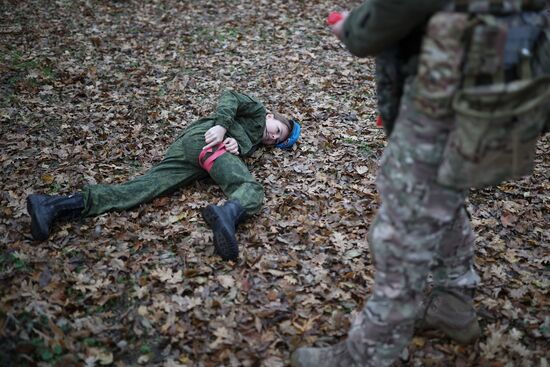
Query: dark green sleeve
{"points": [[378, 24], [243, 140], [232, 104]]}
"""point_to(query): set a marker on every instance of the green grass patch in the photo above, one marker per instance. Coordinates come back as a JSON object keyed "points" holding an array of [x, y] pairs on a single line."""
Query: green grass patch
{"points": [[47, 354], [9, 100], [41, 351], [22, 66], [364, 148], [48, 72], [13, 260], [16, 61], [145, 349], [228, 34], [55, 187], [19, 77], [92, 342]]}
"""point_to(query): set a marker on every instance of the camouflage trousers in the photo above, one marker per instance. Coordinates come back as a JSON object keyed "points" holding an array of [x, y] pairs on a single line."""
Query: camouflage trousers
{"points": [[420, 228], [179, 167]]}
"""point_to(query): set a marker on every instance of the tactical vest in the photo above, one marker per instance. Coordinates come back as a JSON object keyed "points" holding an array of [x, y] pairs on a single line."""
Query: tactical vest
{"points": [[495, 6], [487, 64]]}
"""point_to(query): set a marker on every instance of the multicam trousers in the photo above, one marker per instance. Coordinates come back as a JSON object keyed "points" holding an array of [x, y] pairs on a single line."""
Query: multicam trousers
{"points": [[421, 227], [178, 168]]}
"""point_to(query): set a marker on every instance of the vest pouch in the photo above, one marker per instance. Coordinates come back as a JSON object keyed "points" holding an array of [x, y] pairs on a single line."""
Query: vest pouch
{"points": [[496, 131]]}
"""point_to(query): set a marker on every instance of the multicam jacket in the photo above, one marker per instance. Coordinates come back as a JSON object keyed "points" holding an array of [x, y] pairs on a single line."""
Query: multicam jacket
{"points": [[242, 115], [392, 30]]}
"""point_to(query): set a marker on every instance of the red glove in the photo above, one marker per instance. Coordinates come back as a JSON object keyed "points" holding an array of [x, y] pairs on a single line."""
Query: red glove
{"points": [[334, 17], [379, 121]]}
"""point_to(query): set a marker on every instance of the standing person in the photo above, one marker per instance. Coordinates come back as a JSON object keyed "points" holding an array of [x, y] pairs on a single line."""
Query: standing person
{"points": [[469, 116], [210, 146]]}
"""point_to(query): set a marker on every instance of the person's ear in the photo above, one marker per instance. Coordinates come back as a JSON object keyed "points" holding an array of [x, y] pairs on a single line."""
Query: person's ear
{"points": [[269, 116]]}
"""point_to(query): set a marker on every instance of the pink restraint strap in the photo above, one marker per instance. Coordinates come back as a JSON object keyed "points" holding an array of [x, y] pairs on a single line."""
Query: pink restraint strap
{"points": [[209, 162]]}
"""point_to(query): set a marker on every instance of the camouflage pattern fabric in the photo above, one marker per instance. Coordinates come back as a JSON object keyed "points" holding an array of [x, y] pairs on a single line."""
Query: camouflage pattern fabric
{"points": [[389, 87], [542, 60], [393, 67], [378, 25], [497, 96], [233, 177], [496, 6], [241, 114], [439, 71], [178, 169], [244, 118], [421, 227]]}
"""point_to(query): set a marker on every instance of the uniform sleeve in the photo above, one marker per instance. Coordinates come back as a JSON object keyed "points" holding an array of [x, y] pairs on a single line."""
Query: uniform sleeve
{"points": [[232, 104], [378, 24], [246, 148]]}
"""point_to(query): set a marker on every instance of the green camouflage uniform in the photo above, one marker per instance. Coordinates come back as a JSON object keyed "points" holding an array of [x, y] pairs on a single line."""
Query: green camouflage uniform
{"points": [[422, 226], [244, 118]]}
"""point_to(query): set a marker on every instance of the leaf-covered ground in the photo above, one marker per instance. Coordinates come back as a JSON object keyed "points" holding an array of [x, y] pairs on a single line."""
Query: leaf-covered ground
{"points": [[95, 91]]}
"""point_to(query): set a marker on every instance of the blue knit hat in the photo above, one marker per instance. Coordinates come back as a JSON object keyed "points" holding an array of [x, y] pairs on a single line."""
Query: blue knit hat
{"points": [[292, 137]]}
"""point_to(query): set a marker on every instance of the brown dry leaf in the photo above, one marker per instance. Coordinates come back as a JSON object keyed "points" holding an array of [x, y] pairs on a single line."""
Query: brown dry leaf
{"points": [[227, 281], [47, 179], [508, 219], [362, 169]]}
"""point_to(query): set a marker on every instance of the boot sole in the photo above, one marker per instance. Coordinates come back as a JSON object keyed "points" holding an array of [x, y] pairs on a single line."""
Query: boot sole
{"points": [[37, 227], [224, 242]]}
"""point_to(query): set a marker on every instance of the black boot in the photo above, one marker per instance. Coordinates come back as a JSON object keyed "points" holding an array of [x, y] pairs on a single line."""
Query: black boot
{"points": [[224, 220], [46, 209]]}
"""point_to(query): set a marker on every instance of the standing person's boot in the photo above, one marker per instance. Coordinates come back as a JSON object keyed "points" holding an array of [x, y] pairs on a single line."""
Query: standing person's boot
{"points": [[46, 209], [334, 356], [451, 312], [224, 220]]}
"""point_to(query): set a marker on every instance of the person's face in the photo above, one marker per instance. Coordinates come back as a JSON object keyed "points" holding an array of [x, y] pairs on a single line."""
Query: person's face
{"points": [[275, 131]]}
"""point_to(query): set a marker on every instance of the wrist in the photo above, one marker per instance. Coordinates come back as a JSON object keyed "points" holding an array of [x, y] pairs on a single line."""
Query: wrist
{"points": [[221, 124]]}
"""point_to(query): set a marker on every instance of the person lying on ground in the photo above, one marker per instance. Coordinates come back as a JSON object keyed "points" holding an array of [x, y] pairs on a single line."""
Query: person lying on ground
{"points": [[210, 146]]}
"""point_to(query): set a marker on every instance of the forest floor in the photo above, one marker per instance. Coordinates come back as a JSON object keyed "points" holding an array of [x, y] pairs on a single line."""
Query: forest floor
{"points": [[94, 91]]}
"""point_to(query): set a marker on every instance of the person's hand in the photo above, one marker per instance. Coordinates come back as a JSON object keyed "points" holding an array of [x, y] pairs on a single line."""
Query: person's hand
{"points": [[338, 27], [214, 136], [231, 146]]}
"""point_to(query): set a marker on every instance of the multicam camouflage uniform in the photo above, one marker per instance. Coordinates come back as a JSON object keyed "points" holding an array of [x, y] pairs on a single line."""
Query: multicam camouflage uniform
{"points": [[393, 67], [244, 118], [422, 225]]}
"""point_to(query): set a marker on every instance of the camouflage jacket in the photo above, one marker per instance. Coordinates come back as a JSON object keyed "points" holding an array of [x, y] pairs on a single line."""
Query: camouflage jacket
{"points": [[377, 25], [242, 115], [392, 31]]}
